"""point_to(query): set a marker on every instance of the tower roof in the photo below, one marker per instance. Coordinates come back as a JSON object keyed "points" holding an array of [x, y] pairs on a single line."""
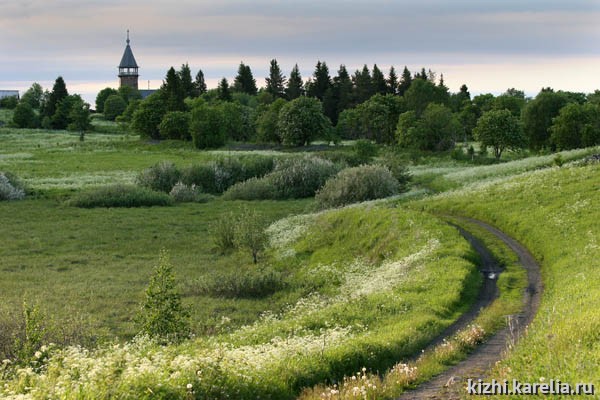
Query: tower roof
{"points": [[128, 60]]}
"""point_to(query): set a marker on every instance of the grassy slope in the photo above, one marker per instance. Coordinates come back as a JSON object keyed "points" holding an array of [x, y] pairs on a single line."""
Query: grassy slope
{"points": [[555, 213]]}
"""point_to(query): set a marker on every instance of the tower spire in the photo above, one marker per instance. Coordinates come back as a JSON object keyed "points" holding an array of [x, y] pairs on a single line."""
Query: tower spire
{"points": [[127, 36]]}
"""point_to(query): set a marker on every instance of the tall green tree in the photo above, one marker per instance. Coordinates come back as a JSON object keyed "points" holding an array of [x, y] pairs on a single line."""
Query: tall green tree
{"points": [[378, 81], [102, 96], [266, 123], [244, 81], [405, 81], [173, 90], [58, 93], [79, 117], [500, 130], [512, 100], [422, 92], [363, 85], [576, 125], [199, 84], [320, 83], [34, 96], [24, 116], [392, 81], [342, 92], [301, 121], [295, 85], [275, 81], [435, 130], [114, 106], [538, 114], [223, 91], [185, 77], [148, 115]]}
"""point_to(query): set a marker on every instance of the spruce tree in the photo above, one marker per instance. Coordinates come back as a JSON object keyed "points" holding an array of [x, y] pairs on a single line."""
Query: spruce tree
{"points": [[275, 81], [199, 84], [295, 85], [223, 91], [244, 81], [363, 85], [172, 87], [185, 76], [378, 81], [321, 81], [59, 92], [392, 81], [405, 82]]}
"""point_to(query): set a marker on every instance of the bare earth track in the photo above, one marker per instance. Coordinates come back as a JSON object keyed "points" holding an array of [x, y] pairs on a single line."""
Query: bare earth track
{"points": [[450, 384]]}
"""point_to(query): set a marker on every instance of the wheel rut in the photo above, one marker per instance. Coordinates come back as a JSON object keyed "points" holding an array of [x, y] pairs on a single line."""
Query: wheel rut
{"points": [[450, 384]]}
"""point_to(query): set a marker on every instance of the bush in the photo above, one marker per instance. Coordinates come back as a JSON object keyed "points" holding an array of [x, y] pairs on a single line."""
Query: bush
{"points": [[9, 102], [223, 232], [182, 193], [25, 117], [301, 177], [114, 106], [161, 177], [10, 187], [352, 185], [120, 196], [252, 189], [251, 283], [206, 127], [175, 125]]}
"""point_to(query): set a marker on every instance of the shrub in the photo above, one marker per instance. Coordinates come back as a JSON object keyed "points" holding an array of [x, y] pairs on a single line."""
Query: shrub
{"points": [[114, 106], [206, 127], [250, 283], [366, 182], [120, 196], [10, 187], [175, 125], [24, 116], [223, 232], [252, 189], [163, 316], [182, 193], [250, 233], [301, 177], [161, 177]]}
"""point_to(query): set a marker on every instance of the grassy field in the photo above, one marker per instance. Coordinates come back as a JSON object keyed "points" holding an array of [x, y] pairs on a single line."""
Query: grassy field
{"points": [[362, 287]]}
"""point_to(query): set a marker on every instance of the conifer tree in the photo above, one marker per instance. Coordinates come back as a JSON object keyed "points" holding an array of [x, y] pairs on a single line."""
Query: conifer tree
{"points": [[59, 92], [321, 81], [244, 81], [199, 84], [275, 81], [378, 81], [185, 76], [223, 91], [342, 88], [392, 81], [363, 85], [295, 85], [405, 82], [173, 90]]}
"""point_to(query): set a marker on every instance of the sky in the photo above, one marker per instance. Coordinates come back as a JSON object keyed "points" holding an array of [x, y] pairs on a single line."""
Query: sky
{"points": [[489, 45]]}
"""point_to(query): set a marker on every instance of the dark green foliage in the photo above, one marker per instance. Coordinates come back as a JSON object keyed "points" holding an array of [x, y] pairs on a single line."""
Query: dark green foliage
{"points": [[24, 116], [301, 121], [148, 115], [185, 78], [131, 108], [237, 121], [501, 130], [538, 114], [342, 92], [363, 85], [576, 126], [34, 96], [267, 123], [362, 183], [379, 83], [206, 127], [378, 117], [320, 83], [59, 92], [295, 86], [275, 82], [79, 117], [392, 81], [113, 107], [120, 196], [175, 125], [163, 316], [160, 177], [9, 103], [129, 94], [365, 151], [422, 92], [511, 100], [62, 117], [173, 91], [244, 81], [199, 84], [223, 91], [102, 96], [437, 129], [405, 81]]}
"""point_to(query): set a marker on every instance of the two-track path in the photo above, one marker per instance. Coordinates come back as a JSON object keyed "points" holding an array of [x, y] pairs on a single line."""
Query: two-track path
{"points": [[451, 383]]}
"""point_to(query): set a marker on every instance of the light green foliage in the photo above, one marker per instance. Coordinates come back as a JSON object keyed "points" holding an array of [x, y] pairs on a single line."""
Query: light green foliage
{"points": [[182, 193], [301, 121], [250, 232], [163, 316], [266, 124], [236, 121], [175, 125], [148, 114], [223, 232], [79, 117], [11, 187], [28, 344], [353, 185], [576, 126], [114, 106], [501, 130], [34, 96], [119, 195]]}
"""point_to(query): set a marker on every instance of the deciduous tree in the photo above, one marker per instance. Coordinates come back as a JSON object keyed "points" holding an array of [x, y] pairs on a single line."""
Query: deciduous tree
{"points": [[501, 130]]}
